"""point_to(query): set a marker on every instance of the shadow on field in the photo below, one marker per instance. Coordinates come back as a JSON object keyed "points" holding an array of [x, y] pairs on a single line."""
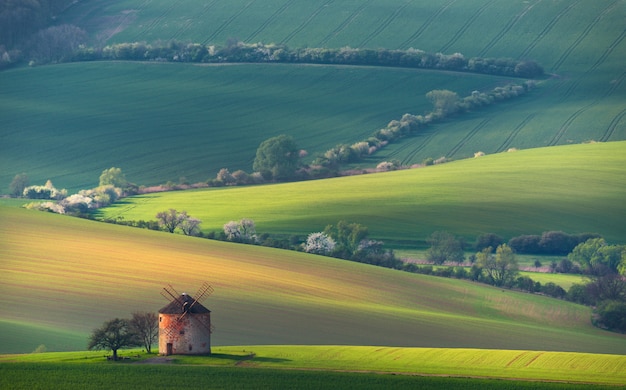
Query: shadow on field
{"points": [[250, 358]]}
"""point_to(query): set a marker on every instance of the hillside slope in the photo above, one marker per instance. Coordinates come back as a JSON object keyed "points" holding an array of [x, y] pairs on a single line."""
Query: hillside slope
{"points": [[70, 275], [575, 188], [581, 43]]}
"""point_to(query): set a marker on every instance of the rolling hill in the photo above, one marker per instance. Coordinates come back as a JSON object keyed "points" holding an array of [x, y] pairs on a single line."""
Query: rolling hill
{"points": [[75, 129], [70, 275], [574, 188]]}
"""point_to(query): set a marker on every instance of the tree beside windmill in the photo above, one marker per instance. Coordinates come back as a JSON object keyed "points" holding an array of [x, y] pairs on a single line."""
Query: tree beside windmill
{"points": [[185, 324]]}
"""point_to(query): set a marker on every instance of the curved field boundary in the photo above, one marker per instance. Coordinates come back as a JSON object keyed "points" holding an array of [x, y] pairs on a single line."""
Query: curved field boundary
{"points": [[270, 20], [547, 29], [582, 36], [228, 21], [345, 23], [506, 29], [466, 25], [613, 125], [509, 139], [467, 137], [426, 24], [384, 24], [306, 22]]}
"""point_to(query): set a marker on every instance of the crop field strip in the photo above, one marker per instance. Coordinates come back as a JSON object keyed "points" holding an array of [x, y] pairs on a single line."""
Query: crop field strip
{"points": [[564, 178], [256, 282], [521, 19]]}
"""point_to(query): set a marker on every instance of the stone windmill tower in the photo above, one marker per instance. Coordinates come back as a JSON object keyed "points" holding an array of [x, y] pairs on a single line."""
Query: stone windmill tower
{"points": [[185, 324]]}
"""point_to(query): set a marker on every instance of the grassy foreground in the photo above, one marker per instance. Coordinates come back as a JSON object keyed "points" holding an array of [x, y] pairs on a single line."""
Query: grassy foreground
{"points": [[275, 364], [576, 188]]}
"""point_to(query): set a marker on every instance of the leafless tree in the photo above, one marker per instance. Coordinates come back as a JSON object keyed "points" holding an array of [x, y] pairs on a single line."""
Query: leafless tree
{"points": [[146, 327]]}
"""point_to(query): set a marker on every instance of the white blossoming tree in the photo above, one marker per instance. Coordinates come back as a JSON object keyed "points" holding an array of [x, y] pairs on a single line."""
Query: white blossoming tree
{"points": [[319, 243]]}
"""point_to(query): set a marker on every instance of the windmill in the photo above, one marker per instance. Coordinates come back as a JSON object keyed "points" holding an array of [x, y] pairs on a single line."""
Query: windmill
{"points": [[185, 324]]}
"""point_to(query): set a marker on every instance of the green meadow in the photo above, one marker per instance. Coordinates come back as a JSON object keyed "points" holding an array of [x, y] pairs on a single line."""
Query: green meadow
{"points": [[576, 189], [162, 122], [269, 366], [70, 275]]}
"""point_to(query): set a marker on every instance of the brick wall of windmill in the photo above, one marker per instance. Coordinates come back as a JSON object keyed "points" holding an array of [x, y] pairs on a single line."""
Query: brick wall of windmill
{"points": [[188, 336]]}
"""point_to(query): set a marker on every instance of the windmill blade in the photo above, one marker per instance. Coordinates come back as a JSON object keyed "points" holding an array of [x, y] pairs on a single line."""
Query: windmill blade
{"points": [[172, 293], [204, 291]]}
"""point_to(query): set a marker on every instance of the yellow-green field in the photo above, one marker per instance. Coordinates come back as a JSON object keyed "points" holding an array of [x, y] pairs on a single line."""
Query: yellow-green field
{"points": [[475, 363], [576, 189], [71, 274]]}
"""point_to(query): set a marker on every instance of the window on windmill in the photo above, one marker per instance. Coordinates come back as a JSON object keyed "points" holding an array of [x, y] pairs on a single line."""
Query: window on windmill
{"points": [[182, 331], [190, 347]]}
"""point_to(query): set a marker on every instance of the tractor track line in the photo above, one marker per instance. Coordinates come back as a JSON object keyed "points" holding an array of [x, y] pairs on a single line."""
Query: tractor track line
{"points": [[228, 21], [612, 126], [345, 23], [384, 25], [306, 22], [509, 139], [506, 29], [546, 30], [426, 24], [467, 137], [582, 36], [270, 20], [466, 26]]}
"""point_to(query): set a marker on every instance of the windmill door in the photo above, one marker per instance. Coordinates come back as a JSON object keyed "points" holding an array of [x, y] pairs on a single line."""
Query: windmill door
{"points": [[169, 349]]}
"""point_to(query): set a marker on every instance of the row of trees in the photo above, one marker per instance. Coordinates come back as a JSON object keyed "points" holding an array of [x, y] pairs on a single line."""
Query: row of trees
{"points": [[113, 185], [446, 247], [279, 158], [142, 330], [171, 220], [237, 51]]}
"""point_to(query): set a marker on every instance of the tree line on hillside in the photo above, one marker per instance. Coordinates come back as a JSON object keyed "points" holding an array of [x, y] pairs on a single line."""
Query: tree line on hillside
{"points": [[237, 51], [63, 43]]}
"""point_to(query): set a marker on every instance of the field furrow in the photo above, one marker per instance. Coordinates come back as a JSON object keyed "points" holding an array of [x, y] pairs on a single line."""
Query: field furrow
{"points": [[612, 126], [465, 26], [467, 137], [509, 139], [374, 33], [227, 23], [348, 21], [304, 24], [502, 33], [407, 43], [582, 36], [158, 21], [426, 138], [269, 21], [193, 20], [568, 122], [546, 30]]}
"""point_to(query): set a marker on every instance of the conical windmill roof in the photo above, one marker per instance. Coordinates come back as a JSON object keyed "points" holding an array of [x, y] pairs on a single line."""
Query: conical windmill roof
{"points": [[178, 306]]}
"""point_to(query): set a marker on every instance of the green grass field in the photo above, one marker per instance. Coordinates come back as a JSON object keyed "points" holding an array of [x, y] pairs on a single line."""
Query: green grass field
{"points": [[366, 365], [70, 275], [163, 122], [160, 122], [578, 188]]}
